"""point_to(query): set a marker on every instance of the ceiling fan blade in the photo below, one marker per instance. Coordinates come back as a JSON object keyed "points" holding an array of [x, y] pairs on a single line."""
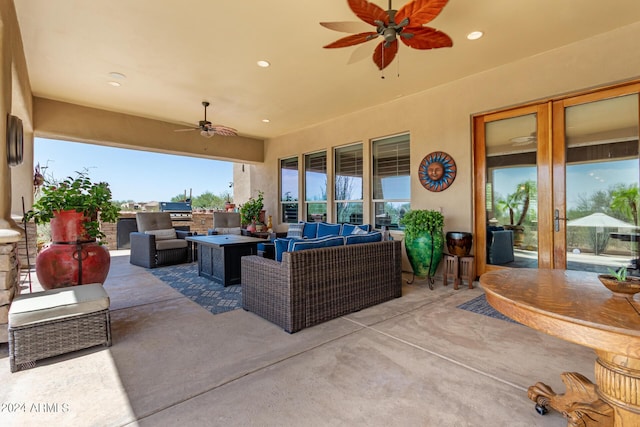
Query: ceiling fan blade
{"points": [[359, 53], [425, 38], [368, 12], [351, 40], [223, 130], [383, 56], [420, 12], [347, 27], [185, 130]]}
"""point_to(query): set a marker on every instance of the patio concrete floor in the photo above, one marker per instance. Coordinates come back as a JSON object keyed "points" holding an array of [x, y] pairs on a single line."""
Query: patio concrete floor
{"points": [[413, 361]]}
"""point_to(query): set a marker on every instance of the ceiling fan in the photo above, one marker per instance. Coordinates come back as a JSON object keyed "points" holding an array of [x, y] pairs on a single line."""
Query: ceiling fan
{"points": [[207, 129], [524, 140], [407, 23]]}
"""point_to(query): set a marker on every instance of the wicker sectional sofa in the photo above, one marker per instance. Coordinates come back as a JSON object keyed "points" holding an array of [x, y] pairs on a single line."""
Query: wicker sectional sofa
{"points": [[312, 286]]}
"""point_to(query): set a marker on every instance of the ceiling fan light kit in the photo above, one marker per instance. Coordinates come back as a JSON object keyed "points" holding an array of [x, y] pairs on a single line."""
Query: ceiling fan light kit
{"points": [[207, 129], [408, 23]]}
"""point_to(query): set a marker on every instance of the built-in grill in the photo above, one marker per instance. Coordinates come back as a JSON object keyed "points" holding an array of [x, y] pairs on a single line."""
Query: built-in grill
{"points": [[179, 211]]}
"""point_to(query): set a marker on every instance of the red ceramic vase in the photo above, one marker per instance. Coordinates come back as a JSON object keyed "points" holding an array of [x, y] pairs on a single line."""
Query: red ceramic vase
{"points": [[73, 258]]}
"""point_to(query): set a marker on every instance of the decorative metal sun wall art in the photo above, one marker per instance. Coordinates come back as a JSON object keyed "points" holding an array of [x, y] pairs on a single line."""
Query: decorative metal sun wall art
{"points": [[437, 171]]}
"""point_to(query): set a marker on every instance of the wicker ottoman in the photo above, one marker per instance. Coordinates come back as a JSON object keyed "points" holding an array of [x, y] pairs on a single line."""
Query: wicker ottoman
{"points": [[58, 321]]}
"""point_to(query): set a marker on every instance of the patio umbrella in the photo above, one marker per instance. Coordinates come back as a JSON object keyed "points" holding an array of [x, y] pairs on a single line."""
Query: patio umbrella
{"points": [[600, 221]]}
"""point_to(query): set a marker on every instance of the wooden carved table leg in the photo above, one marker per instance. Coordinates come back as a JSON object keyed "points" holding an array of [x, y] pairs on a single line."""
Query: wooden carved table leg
{"points": [[581, 404], [618, 379]]}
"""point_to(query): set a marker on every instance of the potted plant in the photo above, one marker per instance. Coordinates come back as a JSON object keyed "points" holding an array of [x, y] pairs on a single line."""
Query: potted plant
{"points": [[424, 241], [74, 207], [250, 211], [620, 283], [228, 205]]}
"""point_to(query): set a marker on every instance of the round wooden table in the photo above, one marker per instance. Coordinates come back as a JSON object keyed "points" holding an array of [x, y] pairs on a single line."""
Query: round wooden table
{"points": [[576, 307]]}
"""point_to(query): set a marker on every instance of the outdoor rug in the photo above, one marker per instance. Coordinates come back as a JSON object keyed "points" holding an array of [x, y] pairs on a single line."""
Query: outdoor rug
{"points": [[480, 305], [207, 293]]}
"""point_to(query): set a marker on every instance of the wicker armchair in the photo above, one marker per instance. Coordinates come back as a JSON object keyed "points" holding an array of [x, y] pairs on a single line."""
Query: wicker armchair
{"points": [[312, 286], [157, 242]]}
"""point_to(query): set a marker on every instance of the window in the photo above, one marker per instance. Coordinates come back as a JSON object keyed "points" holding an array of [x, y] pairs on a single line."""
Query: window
{"points": [[289, 190], [315, 185], [348, 184], [391, 180]]}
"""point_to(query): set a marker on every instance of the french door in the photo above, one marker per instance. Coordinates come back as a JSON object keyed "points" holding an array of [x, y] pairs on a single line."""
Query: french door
{"points": [[556, 183]]}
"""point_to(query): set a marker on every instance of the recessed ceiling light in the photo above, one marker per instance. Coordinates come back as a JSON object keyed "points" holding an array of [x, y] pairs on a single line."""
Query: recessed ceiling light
{"points": [[263, 64], [116, 75], [475, 35], [266, 120], [115, 84]]}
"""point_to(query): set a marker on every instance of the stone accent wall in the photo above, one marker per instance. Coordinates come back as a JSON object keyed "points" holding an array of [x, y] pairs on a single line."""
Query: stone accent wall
{"points": [[202, 221], [9, 284], [110, 230], [31, 238]]}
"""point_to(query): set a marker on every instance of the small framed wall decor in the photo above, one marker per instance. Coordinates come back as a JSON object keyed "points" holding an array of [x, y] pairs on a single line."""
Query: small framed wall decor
{"points": [[14, 140], [437, 171]]}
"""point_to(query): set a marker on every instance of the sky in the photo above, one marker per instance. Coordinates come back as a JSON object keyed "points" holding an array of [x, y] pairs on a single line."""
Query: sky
{"points": [[134, 175]]}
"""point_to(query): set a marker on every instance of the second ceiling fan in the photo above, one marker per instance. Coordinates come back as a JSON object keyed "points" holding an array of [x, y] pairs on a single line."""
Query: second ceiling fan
{"points": [[406, 23], [208, 130]]}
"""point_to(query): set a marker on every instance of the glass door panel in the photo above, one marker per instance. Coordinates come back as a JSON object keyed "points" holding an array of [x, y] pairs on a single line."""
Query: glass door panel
{"points": [[602, 174], [511, 195]]}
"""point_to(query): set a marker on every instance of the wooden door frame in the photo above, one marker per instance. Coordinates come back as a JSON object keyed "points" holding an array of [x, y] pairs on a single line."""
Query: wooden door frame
{"points": [[480, 179], [551, 161], [560, 156]]}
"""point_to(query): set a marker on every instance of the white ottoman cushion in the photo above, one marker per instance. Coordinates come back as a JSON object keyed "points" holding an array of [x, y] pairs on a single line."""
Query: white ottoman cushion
{"points": [[57, 304]]}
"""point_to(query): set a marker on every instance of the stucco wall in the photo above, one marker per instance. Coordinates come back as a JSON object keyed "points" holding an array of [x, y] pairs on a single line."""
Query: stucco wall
{"points": [[16, 100], [440, 119]]}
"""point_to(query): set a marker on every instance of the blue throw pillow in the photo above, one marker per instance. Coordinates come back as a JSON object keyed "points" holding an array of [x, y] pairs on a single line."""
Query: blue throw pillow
{"points": [[295, 231], [352, 239], [359, 230], [325, 229], [310, 230], [326, 242], [281, 245], [348, 228]]}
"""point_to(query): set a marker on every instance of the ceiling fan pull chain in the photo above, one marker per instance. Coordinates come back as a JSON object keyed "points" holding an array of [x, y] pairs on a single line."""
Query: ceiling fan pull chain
{"points": [[382, 59]]}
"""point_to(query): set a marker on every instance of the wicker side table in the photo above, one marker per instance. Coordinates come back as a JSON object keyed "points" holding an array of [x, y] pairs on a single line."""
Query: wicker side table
{"points": [[459, 268]]}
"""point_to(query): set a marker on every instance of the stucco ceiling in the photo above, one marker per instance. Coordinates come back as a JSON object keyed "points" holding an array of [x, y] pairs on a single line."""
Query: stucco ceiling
{"points": [[175, 54]]}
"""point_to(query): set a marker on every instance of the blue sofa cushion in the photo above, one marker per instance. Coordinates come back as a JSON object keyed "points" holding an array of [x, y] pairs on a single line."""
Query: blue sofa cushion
{"points": [[325, 242], [310, 230], [325, 229], [282, 245], [295, 231], [348, 228], [352, 239]]}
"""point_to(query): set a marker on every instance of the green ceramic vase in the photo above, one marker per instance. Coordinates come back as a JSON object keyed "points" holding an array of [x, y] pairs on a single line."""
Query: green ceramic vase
{"points": [[425, 253]]}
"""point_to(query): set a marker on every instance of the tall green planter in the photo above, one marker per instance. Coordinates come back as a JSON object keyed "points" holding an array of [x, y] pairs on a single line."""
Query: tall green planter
{"points": [[424, 241], [425, 253]]}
